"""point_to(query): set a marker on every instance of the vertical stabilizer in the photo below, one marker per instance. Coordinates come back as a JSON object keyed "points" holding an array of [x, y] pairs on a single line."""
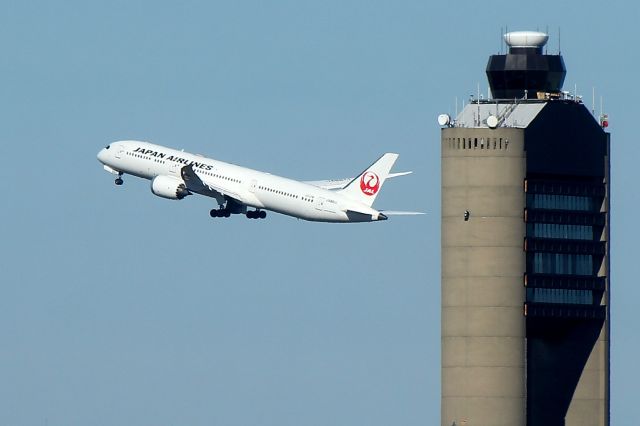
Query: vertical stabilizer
{"points": [[367, 185]]}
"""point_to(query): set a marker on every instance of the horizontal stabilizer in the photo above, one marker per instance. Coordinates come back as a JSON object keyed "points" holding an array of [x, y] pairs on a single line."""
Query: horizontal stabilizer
{"points": [[400, 213], [392, 175]]}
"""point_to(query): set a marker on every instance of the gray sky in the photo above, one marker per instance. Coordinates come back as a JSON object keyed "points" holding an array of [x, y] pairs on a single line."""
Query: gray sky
{"points": [[121, 308]]}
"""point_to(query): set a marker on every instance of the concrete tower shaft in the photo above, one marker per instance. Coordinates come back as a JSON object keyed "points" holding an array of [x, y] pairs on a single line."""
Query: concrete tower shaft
{"points": [[483, 327], [525, 265]]}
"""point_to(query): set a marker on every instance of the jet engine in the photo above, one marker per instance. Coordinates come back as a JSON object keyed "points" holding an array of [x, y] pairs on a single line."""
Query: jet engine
{"points": [[169, 187]]}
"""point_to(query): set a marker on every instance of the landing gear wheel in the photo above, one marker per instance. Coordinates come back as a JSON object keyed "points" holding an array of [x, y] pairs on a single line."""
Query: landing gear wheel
{"points": [[256, 214], [119, 181], [220, 213]]}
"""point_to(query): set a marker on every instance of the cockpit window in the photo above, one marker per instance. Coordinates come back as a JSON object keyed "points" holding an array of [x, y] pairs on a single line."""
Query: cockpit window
{"points": [[107, 147]]}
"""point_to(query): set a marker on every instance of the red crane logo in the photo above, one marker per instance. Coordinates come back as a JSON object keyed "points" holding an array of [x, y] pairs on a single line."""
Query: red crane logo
{"points": [[369, 183]]}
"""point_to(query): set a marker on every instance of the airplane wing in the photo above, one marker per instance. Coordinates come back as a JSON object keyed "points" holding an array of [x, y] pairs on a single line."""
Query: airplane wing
{"points": [[194, 184], [341, 183]]}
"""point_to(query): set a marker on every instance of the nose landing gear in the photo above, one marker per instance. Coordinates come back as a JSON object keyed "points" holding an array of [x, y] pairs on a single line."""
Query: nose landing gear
{"points": [[119, 180]]}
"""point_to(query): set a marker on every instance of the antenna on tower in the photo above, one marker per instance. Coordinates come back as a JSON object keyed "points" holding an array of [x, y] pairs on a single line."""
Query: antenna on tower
{"points": [[546, 47], [478, 102], [559, 45], [456, 107], [504, 41]]}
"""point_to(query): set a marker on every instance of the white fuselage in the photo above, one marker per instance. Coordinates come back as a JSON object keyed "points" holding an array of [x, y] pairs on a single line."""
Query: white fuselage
{"points": [[249, 187]]}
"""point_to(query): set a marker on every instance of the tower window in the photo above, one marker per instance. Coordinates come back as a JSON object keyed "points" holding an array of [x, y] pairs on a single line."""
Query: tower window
{"points": [[561, 202], [563, 264], [557, 295], [560, 231]]}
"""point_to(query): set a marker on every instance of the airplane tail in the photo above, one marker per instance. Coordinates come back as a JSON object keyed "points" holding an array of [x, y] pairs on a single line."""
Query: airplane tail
{"points": [[367, 185]]}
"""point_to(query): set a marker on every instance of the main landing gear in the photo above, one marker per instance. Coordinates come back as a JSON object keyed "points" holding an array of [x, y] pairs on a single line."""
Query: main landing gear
{"points": [[256, 214], [226, 212], [219, 213]]}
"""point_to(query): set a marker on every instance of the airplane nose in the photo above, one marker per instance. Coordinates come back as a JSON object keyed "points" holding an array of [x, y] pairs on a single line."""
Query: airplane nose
{"points": [[102, 155]]}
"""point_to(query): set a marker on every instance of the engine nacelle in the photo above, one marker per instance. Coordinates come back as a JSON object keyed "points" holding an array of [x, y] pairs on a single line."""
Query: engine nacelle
{"points": [[169, 187]]}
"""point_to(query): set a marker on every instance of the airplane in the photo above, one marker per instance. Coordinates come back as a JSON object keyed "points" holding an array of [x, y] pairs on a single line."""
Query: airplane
{"points": [[175, 174]]}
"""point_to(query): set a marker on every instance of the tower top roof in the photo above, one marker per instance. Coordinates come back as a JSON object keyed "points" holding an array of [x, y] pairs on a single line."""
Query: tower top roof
{"points": [[526, 39]]}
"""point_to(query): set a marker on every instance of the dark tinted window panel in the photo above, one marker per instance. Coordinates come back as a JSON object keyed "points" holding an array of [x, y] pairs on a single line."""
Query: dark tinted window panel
{"points": [[564, 217], [563, 202], [565, 281], [546, 186], [557, 230], [558, 295], [564, 246], [562, 264]]}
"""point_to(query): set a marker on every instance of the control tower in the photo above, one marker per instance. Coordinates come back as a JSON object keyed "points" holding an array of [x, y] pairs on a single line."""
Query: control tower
{"points": [[525, 250]]}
